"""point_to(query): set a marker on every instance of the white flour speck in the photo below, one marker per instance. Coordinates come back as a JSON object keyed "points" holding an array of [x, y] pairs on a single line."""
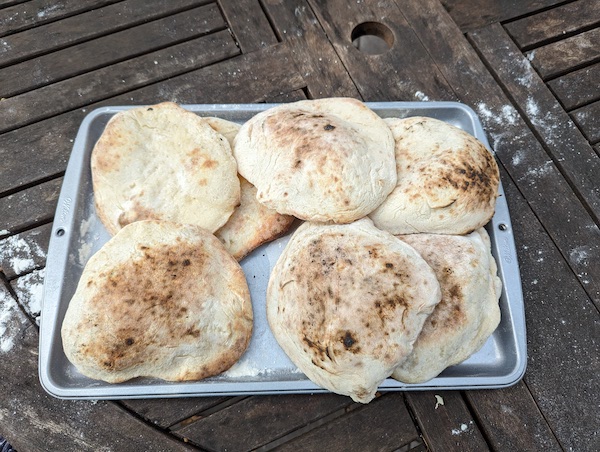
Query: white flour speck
{"points": [[7, 307], [462, 428], [579, 254], [517, 158], [532, 107], [30, 290], [19, 255], [420, 95]]}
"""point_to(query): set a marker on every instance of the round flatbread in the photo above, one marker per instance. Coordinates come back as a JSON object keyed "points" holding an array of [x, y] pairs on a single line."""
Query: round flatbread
{"points": [[319, 160], [158, 300], [346, 303], [251, 223], [163, 162], [468, 313], [447, 180]]}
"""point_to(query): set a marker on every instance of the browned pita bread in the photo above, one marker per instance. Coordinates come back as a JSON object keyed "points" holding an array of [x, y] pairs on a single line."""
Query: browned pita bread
{"points": [[143, 306]]}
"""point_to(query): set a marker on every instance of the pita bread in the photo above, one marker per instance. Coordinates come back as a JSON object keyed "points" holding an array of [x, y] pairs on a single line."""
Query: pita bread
{"points": [[143, 306], [447, 180], [318, 160], [468, 313], [346, 303], [251, 223], [163, 162]]}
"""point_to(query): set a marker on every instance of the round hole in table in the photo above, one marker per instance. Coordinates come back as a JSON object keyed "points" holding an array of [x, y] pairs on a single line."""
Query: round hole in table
{"points": [[372, 38]]}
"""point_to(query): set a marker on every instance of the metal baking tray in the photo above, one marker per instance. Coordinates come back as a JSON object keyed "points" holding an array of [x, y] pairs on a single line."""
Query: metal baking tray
{"points": [[77, 233]]}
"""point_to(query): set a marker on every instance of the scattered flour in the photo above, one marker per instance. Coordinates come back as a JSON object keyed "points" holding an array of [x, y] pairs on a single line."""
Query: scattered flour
{"points": [[579, 254], [30, 291], [42, 13], [242, 369], [507, 116], [19, 255], [462, 429], [517, 157], [532, 107], [421, 96], [7, 308]]}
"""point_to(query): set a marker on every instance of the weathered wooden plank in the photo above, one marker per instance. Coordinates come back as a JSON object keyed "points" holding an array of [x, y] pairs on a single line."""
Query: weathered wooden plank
{"points": [[238, 80], [248, 23], [382, 425], [587, 120], [112, 80], [577, 88], [109, 49], [166, 412], [563, 330], [40, 201], [472, 14], [567, 55], [24, 252], [259, 420], [564, 216], [34, 421], [511, 420], [554, 23], [567, 147], [321, 67], [445, 421], [405, 72], [20, 17], [75, 29]]}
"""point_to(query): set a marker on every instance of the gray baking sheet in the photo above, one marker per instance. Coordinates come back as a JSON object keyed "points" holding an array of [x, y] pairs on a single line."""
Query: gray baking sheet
{"points": [[77, 234]]}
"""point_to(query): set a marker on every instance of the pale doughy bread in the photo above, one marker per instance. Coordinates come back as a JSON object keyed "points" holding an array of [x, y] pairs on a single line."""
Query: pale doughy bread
{"points": [[251, 223], [346, 303], [468, 313], [158, 300], [319, 160], [447, 180], [163, 162]]}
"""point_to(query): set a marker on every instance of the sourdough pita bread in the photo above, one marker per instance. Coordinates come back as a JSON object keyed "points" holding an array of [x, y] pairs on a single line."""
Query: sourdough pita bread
{"points": [[158, 300], [251, 223], [468, 313], [319, 160], [447, 180], [163, 162], [346, 303]]}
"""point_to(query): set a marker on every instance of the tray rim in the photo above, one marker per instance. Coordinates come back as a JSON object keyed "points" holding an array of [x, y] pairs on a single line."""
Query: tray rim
{"points": [[65, 217]]}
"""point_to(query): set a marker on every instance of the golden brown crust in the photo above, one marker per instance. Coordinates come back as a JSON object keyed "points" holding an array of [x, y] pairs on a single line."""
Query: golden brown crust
{"points": [[143, 307], [447, 180], [346, 302]]}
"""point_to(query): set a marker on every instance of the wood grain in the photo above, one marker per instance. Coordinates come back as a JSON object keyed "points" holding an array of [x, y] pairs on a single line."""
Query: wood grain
{"points": [[558, 58], [405, 72], [382, 425], [587, 120], [94, 23], [111, 80], [259, 419], [321, 68], [445, 427], [249, 25], [470, 15], [110, 49], [554, 24], [577, 88], [20, 17]]}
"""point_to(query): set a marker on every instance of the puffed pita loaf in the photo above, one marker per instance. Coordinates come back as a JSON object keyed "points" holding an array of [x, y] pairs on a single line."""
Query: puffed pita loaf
{"points": [[163, 162], [251, 223], [346, 303], [468, 313], [319, 160], [447, 180], [159, 300]]}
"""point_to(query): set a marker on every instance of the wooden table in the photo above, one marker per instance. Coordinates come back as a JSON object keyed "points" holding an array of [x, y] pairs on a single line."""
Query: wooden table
{"points": [[531, 71]]}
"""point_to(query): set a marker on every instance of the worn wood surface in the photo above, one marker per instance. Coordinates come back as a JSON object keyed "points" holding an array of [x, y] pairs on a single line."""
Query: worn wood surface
{"points": [[528, 69]]}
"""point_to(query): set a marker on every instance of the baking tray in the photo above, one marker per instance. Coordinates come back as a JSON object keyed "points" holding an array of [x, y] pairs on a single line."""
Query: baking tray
{"points": [[77, 233]]}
